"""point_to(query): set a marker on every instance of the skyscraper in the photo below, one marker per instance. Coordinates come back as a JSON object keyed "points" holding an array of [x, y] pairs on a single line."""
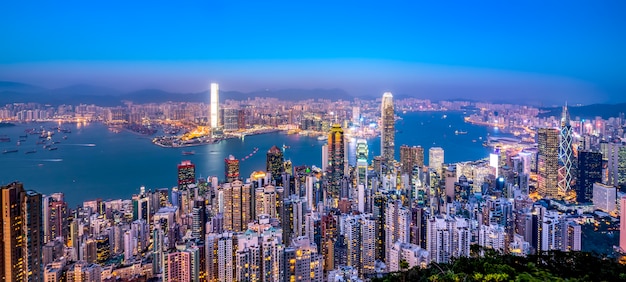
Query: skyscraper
{"points": [[21, 234], [387, 128], [410, 157], [547, 162], [231, 168], [186, 174], [214, 107], [566, 154], [361, 161], [275, 163], [336, 160], [589, 172], [435, 159]]}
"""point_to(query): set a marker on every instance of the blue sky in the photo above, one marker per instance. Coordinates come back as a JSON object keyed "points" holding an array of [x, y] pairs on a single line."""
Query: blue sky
{"points": [[540, 50]]}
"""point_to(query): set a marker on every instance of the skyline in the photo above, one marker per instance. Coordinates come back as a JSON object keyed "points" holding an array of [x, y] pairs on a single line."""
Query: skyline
{"points": [[473, 51]]}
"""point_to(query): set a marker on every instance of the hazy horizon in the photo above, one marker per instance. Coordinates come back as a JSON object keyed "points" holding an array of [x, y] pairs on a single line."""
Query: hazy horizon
{"points": [[514, 51]]}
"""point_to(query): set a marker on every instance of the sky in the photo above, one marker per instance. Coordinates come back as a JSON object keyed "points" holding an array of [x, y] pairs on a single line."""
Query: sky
{"points": [[546, 51]]}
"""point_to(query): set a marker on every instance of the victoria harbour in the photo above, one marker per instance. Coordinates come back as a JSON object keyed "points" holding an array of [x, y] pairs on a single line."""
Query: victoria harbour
{"points": [[94, 162]]}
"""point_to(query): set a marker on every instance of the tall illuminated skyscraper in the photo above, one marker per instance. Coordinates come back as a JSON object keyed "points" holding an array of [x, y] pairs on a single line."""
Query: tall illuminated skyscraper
{"points": [[21, 234], [361, 161], [566, 154], [186, 174], [589, 172], [231, 168], [435, 159], [387, 128], [547, 162], [336, 160], [275, 163], [410, 157], [214, 107]]}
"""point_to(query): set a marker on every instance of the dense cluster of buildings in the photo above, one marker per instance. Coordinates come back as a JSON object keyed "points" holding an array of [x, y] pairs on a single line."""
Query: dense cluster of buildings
{"points": [[336, 222]]}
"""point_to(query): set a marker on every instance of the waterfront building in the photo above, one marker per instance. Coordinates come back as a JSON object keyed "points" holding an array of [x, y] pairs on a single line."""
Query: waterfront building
{"points": [[231, 169], [336, 161], [387, 128], [566, 154], [410, 157], [589, 172], [186, 175], [275, 164], [22, 236], [230, 119], [214, 106], [547, 162], [436, 159]]}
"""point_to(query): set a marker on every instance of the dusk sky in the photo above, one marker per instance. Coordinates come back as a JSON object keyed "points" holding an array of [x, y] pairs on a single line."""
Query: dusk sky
{"points": [[548, 51]]}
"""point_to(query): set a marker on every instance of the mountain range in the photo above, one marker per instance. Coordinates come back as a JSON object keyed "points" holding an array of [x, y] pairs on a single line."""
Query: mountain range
{"points": [[15, 92]]}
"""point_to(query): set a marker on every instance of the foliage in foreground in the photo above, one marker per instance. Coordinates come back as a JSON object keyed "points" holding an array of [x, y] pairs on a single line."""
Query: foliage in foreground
{"points": [[547, 266]]}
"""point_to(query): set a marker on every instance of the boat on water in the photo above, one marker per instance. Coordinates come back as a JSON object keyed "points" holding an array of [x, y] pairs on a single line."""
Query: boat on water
{"points": [[187, 153], [52, 148], [5, 139], [9, 151], [322, 138], [31, 152], [460, 132]]}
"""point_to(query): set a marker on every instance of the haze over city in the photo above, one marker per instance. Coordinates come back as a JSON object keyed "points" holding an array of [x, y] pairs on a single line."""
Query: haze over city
{"points": [[490, 50]]}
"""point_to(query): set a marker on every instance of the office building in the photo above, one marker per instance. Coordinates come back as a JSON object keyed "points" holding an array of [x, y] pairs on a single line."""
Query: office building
{"points": [[22, 236], [214, 106], [589, 172], [566, 154], [547, 162], [186, 175], [275, 163], [411, 157], [231, 169], [336, 161], [387, 128], [604, 197], [435, 159], [622, 228]]}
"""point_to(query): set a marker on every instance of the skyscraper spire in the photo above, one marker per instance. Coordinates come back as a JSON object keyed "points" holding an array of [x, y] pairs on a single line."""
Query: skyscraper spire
{"points": [[566, 153]]}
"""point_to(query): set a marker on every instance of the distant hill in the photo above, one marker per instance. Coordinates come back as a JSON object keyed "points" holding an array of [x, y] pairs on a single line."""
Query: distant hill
{"points": [[587, 112], [15, 92]]}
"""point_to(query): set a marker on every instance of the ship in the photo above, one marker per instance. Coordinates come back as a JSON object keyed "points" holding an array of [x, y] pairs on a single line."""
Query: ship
{"points": [[457, 132], [187, 153], [10, 151], [52, 148], [322, 138], [31, 152], [4, 138]]}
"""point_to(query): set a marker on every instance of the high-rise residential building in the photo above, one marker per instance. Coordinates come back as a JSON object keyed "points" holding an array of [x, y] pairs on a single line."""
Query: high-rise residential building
{"points": [[566, 154], [447, 237], [22, 236], [387, 128], [231, 168], [57, 220], [622, 228], [547, 162], [616, 155], [259, 252], [275, 163], [410, 157], [214, 106], [186, 174], [303, 262], [220, 250], [435, 159], [336, 161], [589, 172], [237, 205], [397, 225]]}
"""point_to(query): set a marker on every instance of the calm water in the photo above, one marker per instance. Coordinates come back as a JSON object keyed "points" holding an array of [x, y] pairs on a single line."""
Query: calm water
{"points": [[94, 162]]}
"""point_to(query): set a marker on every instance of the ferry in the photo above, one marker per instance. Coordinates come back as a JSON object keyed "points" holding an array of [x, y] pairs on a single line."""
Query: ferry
{"points": [[31, 152], [457, 132], [10, 151], [187, 153], [52, 148]]}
